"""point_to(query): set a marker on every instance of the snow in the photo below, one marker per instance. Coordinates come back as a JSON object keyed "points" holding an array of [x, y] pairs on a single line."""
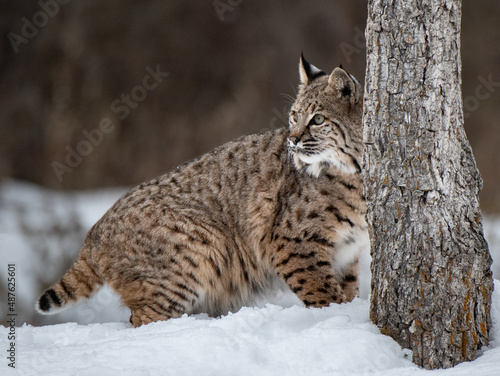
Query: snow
{"points": [[338, 340], [280, 337]]}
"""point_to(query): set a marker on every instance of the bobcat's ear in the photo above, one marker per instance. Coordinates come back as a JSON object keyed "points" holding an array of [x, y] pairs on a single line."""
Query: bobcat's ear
{"points": [[345, 85], [308, 72]]}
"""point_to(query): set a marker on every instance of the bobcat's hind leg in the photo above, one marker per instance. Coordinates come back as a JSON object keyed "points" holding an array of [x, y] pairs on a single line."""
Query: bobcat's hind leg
{"points": [[309, 274], [146, 315], [156, 301]]}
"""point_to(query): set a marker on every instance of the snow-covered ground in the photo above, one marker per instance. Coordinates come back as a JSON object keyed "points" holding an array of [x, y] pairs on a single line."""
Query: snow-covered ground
{"points": [[41, 231]]}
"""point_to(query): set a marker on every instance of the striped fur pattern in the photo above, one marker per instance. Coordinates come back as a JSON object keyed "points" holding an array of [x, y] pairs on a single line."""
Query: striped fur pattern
{"points": [[266, 211]]}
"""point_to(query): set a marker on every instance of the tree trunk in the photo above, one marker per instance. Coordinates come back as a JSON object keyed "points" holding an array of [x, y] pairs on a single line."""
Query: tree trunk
{"points": [[431, 280]]}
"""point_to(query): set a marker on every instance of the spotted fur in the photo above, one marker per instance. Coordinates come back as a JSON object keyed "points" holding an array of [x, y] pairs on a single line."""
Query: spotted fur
{"points": [[267, 210]]}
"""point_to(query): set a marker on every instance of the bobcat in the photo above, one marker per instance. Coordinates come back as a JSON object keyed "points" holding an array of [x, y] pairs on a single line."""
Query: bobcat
{"points": [[210, 236]]}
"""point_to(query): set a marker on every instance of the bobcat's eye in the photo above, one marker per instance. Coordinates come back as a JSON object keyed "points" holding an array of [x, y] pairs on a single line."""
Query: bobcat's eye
{"points": [[319, 119], [294, 116]]}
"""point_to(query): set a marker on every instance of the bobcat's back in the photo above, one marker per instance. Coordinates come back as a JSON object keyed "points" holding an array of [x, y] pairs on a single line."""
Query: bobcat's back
{"points": [[265, 210]]}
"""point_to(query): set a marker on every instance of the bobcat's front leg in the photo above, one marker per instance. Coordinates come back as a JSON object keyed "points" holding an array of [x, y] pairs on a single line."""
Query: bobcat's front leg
{"points": [[309, 273]]}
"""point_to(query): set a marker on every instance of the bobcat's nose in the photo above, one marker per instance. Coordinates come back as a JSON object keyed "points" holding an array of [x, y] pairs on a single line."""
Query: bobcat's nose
{"points": [[294, 140]]}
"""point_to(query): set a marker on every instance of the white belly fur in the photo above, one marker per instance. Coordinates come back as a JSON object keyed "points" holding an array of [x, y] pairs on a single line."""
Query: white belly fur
{"points": [[354, 241]]}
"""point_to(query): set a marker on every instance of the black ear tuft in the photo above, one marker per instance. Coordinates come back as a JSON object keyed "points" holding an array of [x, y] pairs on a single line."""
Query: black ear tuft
{"points": [[307, 71]]}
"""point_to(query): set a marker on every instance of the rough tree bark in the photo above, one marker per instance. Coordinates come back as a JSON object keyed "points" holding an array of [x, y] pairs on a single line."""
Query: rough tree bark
{"points": [[431, 280]]}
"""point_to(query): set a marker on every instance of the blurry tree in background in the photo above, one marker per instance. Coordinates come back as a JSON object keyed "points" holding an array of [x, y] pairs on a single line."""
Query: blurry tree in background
{"points": [[79, 111]]}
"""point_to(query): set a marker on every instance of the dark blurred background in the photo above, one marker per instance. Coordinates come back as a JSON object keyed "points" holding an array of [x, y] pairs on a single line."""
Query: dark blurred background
{"points": [[231, 65]]}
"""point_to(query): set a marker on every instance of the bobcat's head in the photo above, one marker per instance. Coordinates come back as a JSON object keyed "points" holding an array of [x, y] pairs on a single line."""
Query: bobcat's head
{"points": [[326, 121]]}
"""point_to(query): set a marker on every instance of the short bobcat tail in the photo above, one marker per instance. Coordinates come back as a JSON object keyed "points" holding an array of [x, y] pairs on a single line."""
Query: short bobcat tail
{"points": [[79, 282]]}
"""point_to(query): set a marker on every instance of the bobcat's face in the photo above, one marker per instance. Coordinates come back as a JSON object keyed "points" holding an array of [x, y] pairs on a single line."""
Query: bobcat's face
{"points": [[325, 122]]}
